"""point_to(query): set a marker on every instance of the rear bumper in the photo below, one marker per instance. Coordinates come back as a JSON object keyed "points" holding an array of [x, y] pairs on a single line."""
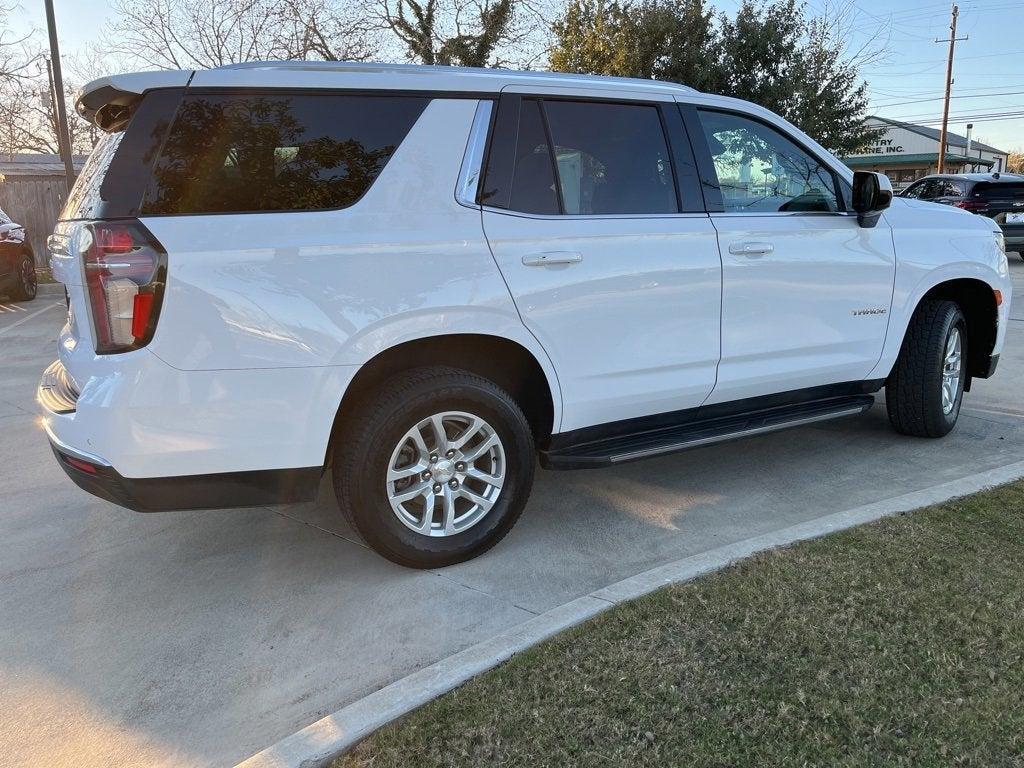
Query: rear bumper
{"points": [[160, 494], [150, 437], [1013, 235], [149, 420]]}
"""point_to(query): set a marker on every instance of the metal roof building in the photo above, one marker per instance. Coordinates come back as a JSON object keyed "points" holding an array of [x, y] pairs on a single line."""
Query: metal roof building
{"points": [[906, 152]]}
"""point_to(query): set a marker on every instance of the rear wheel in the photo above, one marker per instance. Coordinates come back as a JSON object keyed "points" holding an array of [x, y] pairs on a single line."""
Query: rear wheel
{"points": [[436, 468], [924, 391], [25, 285]]}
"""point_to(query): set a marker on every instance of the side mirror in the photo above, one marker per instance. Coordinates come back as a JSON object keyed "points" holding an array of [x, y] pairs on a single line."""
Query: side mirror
{"points": [[872, 194]]}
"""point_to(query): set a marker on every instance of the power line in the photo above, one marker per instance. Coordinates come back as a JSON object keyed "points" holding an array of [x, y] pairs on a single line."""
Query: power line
{"points": [[936, 98]]}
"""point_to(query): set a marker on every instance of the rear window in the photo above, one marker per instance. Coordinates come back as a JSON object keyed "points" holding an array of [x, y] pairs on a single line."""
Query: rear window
{"points": [[276, 152], [85, 202], [988, 191]]}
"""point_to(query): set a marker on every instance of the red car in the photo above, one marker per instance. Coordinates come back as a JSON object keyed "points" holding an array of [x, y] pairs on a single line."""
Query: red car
{"points": [[17, 266]]}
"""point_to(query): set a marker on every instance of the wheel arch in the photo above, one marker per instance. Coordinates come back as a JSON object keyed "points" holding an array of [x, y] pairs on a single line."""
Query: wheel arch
{"points": [[977, 301], [504, 361], [975, 297]]}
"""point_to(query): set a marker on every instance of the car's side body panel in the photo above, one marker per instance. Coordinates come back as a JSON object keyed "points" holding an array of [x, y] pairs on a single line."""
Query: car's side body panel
{"points": [[633, 326], [263, 326], [813, 311], [268, 317]]}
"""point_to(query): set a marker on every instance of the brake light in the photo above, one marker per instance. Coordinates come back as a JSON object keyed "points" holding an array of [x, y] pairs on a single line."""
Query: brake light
{"points": [[971, 205], [125, 270]]}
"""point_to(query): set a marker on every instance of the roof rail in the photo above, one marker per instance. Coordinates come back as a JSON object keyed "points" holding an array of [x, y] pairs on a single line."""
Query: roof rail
{"points": [[429, 69]]}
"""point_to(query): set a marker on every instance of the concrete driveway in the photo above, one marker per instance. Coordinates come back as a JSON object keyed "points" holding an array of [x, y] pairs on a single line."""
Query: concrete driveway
{"points": [[198, 638]]}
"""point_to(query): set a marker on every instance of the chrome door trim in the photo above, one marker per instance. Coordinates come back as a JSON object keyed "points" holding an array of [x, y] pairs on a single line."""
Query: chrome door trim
{"points": [[472, 160]]}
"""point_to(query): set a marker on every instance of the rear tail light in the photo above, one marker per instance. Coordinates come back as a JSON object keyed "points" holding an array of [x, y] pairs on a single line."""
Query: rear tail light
{"points": [[971, 205], [125, 270]]}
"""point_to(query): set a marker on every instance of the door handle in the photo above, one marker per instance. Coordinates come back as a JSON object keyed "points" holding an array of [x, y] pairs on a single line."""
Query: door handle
{"points": [[750, 249], [552, 257]]}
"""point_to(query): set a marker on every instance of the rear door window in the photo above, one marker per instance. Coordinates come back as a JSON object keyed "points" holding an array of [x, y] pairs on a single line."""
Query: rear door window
{"points": [[590, 158], [951, 188], [987, 191], [262, 152], [611, 158], [533, 175]]}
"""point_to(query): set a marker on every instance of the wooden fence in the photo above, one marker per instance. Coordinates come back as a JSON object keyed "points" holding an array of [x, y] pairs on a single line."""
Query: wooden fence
{"points": [[35, 205]]}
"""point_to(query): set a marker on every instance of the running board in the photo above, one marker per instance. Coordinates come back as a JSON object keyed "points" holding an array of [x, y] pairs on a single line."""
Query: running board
{"points": [[693, 434]]}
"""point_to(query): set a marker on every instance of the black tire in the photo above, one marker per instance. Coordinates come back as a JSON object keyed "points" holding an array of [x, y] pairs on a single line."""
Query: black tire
{"points": [[24, 287], [367, 438], [913, 391]]}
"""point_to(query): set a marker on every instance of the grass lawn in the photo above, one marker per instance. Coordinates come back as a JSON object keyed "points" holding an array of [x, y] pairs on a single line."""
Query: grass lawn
{"points": [[897, 643]]}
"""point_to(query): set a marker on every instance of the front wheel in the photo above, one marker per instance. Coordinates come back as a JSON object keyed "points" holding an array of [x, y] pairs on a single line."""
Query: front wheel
{"points": [[924, 391], [435, 468], [25, 286]]}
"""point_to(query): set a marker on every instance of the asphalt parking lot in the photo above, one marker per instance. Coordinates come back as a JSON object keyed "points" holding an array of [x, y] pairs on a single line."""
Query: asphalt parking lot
{"points": [[198, 638]]}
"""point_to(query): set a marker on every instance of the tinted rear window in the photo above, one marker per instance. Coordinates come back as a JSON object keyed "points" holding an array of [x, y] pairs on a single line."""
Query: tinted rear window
{"points": [[276, 152], [988, 191], [533, 180], [84, 201], [113, 179], [612, 158]]}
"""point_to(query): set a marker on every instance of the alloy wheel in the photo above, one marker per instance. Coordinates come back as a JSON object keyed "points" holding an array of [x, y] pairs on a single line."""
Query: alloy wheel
{"points": [[28, 279], [951, 371], [446, 473]]}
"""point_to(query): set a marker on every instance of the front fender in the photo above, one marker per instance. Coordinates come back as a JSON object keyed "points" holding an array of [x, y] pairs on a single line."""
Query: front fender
{"points": [[932, 248]]}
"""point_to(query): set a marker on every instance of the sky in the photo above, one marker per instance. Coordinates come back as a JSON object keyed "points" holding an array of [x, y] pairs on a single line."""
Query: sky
{"points": [[906, 84]]}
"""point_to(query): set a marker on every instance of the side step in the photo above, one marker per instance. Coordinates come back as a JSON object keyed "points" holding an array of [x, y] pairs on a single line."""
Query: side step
{"points": [[693, 434]]}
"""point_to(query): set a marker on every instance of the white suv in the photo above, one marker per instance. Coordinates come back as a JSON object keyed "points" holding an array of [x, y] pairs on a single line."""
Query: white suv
{"points": [[420, 278]]}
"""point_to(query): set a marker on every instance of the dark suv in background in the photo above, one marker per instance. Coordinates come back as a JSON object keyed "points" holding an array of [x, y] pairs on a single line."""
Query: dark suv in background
{"points": [[1000, 196], [17, 267]]}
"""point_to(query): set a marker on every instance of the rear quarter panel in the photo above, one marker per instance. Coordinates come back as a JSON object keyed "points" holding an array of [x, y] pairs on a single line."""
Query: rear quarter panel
{"points": [[334, 288]]}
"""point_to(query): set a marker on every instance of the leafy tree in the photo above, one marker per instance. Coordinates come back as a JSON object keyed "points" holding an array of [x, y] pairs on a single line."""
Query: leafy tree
{"points": [[768, 53], [772, 55], [1015, 162], [646, 39]]}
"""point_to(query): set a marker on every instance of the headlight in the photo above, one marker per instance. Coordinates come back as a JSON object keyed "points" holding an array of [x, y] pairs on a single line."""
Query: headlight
{"points": [[1000, 240]]}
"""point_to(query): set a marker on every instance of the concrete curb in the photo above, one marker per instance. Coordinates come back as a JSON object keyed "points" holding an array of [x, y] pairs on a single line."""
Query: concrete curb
{"points": [[50, 289], [317, 744]]}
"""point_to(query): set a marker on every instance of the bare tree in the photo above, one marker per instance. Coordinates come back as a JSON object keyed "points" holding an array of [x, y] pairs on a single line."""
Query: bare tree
{"points": [[187, 34], [469, 33], [16, 52], [28, 119]]}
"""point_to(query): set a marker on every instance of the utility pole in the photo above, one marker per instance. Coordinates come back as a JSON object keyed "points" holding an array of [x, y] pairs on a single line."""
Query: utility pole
{"points": [[63, 137], [953, 39]]}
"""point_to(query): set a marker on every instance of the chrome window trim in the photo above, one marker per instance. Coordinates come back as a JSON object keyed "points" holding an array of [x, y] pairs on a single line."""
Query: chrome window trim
{"points": [[732, 214], [593, 216], [472, 160]]}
